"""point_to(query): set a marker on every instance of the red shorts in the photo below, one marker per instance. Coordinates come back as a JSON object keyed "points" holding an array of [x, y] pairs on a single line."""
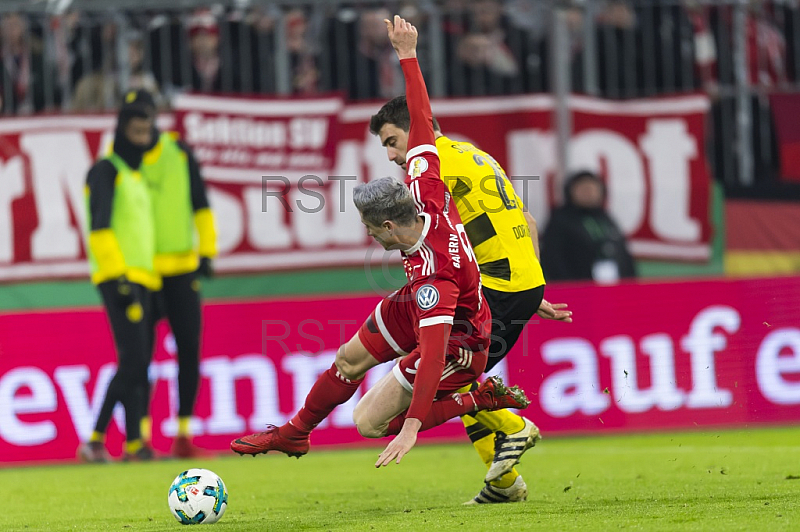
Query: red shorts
{"points": [[388, 334], [462, 367]]}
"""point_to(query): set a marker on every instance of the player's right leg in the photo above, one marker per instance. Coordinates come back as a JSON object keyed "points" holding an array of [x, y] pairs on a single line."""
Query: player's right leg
{"points": [[183, 309], [372, 345], [129, 323], [501, 437]]}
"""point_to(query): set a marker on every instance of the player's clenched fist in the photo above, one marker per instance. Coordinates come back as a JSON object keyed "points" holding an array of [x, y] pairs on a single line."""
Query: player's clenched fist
{"points": [[403, 36]]}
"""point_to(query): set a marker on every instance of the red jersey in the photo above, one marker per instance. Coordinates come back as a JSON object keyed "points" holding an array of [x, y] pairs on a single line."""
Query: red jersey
{"points": [[441, 267]]}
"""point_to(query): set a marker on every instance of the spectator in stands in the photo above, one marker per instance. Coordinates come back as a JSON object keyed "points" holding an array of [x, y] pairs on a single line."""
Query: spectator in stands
{"points": [[252, 39], [97, 90], [581, 241], [491, 56], [305, 75], [102, 89], [714, 31], [139, 78], [618, 57], [64, 29], [28, 79], [204, 47], [360, 58]]}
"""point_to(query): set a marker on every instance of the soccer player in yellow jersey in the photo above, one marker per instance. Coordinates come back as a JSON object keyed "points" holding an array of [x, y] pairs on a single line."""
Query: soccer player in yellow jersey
{"points": [[504, 236]]}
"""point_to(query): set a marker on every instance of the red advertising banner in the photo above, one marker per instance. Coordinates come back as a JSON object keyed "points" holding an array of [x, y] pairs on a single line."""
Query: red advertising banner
{"points": [[280, 174], [654, 164], [638, 357]]}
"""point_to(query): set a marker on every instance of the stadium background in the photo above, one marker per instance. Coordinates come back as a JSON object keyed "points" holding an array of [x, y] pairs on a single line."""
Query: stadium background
{"points": [[708, 336]]}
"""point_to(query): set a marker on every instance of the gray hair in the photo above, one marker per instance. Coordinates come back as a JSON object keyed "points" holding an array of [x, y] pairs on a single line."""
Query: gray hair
{"points": [[385, 199]]}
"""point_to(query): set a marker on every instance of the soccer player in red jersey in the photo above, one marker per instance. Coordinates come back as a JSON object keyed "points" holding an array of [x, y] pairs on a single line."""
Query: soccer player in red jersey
{"points": [[442, 304]]}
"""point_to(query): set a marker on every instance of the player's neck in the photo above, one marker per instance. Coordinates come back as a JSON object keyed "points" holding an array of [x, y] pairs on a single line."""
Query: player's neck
{"points": [[411, 239]]}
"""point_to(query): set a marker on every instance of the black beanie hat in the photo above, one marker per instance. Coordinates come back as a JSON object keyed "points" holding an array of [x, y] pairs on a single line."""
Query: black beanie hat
{"points": [[136, 104]]}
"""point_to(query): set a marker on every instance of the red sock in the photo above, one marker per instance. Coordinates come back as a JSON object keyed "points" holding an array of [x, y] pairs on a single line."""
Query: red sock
{"points": [[330, 390], [443, 409]]}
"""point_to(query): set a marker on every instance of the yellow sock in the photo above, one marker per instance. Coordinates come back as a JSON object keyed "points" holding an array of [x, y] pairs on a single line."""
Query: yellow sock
{"points": [[146, 428], [132, 446], [500, 420], [483, 441], [98, 436], [184, 423]]}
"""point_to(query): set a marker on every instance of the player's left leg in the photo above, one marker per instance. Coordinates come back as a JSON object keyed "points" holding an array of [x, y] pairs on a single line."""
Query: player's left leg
{"points": [[183, 309], [501, 437], [378, 340], [383, 402], [156, 314], [379, 412], [492, 394]]}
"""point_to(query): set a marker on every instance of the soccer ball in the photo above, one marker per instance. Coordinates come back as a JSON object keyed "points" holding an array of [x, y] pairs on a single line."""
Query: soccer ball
{"points": [[197, 496]]}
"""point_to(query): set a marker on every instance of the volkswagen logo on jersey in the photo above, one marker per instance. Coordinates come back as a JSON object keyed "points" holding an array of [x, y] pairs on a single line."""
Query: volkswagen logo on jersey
{"points": [[427, 297], [418, 167]]}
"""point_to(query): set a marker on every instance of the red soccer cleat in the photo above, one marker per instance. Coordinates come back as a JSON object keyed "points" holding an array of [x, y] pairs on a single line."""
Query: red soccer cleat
{"points": [[492, 394], [269, 440]]}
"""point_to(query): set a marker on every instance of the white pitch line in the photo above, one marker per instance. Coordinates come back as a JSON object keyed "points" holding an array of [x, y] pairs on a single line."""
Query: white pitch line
{"points": [[682, 449]]}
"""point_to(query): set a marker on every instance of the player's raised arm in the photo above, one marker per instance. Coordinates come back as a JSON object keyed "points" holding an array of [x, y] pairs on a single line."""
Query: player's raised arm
{"points": [[403, 36]]}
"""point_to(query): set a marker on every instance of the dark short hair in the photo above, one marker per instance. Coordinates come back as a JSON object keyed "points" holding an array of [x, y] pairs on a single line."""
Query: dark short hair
{"points": [[581, 175], [395, 111]]}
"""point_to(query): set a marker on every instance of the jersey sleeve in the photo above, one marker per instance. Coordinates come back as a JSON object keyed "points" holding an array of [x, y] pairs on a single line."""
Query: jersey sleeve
{"points": [[100, 187], [432, 345], [420, 133], [422, 158], [436, 300], [436, 304]]}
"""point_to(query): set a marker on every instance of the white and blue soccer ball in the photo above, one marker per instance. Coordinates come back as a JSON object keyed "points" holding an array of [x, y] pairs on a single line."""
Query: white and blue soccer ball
{"points": [[198, 496]]}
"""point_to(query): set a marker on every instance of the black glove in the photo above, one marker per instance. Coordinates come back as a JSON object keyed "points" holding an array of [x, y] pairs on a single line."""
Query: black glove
{"points": [[205, 269], [125, 291]]}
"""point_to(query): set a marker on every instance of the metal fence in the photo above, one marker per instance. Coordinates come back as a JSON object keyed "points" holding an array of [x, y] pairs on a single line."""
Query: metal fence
{"points": [[81, 55]]}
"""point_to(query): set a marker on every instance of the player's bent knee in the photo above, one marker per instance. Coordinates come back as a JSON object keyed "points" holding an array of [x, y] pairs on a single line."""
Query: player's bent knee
{"points": [[368, 430], [353, 360], [345, 367]]}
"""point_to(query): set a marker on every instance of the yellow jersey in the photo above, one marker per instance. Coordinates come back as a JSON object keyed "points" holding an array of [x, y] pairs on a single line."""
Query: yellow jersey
{"points": [[493, 217]]}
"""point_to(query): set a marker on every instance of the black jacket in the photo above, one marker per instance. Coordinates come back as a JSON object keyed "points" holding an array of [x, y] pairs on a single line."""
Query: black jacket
{"points": [[576, 239]]}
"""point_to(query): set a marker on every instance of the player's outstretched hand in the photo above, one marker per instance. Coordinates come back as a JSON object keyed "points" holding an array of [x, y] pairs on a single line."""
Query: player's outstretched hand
{"points": [[554, 311], [401, 444], [403, 36]]}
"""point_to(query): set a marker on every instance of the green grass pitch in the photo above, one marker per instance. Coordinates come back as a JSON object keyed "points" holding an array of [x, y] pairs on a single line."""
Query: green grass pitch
{"points": [[721, 480]]}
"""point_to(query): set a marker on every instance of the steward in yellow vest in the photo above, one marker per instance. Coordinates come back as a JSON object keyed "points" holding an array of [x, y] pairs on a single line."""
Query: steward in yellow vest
{"points": [[121, 251], [185, 243]]}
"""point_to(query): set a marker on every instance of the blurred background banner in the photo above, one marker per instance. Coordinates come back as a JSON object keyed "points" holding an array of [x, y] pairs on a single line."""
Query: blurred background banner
{"points": [[652, 154], [43, 174], [281, 173], [655, 356], [786, 109]]}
